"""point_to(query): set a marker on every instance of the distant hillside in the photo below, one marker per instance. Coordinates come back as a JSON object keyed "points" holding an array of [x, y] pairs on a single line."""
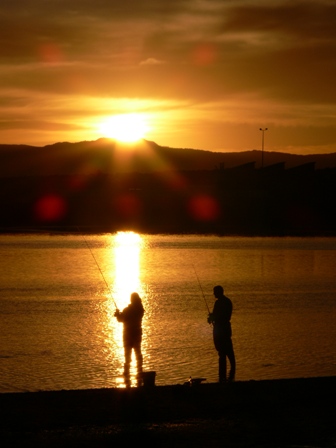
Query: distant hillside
{"points": [[105, 186], [108, 156]]}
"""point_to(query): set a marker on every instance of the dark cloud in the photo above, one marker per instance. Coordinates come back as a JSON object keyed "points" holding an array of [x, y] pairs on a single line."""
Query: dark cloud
{"points": [[81, 9], [307, 20]]}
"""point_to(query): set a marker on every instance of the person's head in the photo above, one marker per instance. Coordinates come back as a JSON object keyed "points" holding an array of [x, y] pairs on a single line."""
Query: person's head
{"points": [[135, 298], [218, 291]]}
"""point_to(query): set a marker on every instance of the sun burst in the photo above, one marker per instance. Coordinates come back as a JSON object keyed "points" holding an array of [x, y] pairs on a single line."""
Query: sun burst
{"points": [[125, 127]]}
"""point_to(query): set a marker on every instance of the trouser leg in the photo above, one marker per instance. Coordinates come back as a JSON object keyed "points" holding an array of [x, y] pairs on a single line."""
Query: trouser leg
{"points": [[128, 355], [138, 356], [225, 350], [222, 366], [232, 359]]}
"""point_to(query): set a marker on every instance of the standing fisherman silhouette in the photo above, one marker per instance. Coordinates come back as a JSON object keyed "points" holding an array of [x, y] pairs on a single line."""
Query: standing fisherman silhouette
{"points": [[131, 317], [221, 320]]}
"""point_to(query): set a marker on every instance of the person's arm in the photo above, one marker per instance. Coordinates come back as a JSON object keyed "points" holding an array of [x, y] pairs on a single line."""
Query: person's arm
{"points": [[119, 315], [212, 316]]}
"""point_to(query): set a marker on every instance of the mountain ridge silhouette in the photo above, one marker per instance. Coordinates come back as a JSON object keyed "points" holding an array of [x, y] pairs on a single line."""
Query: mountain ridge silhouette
{"points": [[110, 156]]}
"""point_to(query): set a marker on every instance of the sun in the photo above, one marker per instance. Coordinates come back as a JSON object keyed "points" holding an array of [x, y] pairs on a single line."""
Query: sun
{"points": [[126, 128]]}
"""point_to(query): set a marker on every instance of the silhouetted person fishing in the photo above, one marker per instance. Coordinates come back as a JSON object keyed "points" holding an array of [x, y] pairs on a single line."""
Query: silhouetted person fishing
{"points": [[131, 317], [221, 320]]}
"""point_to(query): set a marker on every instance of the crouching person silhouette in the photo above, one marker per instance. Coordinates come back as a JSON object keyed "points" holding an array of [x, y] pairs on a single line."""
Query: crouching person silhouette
{"points": [[131, 317]]}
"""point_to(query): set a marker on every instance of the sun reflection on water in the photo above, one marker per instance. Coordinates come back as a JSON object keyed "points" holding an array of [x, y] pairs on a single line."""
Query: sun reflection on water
{"points": [[126, 252], [127, 248]]}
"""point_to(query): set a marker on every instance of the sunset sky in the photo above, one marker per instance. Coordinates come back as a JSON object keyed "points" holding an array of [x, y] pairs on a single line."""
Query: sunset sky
{"points": [[202, 74]]}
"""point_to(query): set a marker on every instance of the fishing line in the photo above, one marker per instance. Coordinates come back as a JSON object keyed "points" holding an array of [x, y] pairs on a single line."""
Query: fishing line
{"points": [[108, 287], [201, 289]]}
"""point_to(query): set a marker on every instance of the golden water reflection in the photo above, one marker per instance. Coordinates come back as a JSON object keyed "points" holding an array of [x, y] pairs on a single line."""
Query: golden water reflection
{"points": [[126, 254], [127, 248]]}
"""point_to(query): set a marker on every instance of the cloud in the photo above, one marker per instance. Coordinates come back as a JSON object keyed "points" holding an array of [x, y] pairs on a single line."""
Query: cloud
{"points": [[151, 61]]}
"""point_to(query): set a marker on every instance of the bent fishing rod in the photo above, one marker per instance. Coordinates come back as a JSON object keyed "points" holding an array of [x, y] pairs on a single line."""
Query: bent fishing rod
{"points": [[101, 272], [201, 289]]}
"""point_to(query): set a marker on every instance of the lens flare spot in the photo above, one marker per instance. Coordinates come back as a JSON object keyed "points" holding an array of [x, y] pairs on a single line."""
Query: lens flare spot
{"points": [[204, 208], [50, 208], [204, 54], [128, 205], [50, 53]]}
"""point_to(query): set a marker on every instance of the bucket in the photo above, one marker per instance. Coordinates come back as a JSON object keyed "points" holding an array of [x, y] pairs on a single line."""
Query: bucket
{"points": [[148, 378]]}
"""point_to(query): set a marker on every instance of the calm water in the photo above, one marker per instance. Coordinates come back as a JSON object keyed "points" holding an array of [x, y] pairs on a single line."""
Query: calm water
{"points": [[58, 294]]}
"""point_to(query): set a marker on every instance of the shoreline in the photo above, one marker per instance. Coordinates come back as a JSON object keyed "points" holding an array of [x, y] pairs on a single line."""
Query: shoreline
{"points": [[220, 232], [265, 413]]}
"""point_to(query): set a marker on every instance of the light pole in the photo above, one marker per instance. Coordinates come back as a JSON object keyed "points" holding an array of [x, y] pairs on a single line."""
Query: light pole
{"points": [[262, 146]]}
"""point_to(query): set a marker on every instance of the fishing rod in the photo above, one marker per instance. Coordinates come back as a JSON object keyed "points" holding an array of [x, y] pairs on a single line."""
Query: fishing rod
{"points": [[201, 289], [108, 287]]}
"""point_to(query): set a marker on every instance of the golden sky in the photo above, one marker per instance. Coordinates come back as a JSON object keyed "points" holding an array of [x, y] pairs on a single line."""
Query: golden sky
{"points": [[204, 74]]}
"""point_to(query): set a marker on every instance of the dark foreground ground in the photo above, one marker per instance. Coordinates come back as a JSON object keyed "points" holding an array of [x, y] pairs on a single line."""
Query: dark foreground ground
{"points": [[278, 413]]}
